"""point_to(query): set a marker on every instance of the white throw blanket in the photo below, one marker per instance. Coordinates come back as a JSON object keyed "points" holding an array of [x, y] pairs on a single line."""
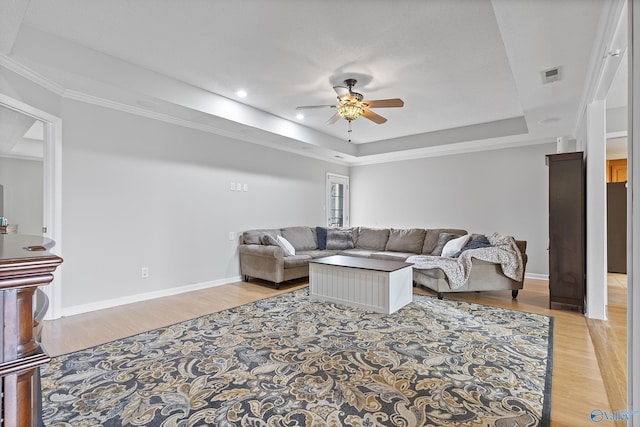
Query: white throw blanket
{"points": [[504, 252]]}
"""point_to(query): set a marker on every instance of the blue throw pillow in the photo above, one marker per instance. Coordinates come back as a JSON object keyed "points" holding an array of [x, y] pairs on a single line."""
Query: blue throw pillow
{"points": [[321, 235], [480, 241]]}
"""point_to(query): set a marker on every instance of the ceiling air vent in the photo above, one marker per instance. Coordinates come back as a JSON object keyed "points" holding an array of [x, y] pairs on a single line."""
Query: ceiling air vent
{"points": [[551, 75]]}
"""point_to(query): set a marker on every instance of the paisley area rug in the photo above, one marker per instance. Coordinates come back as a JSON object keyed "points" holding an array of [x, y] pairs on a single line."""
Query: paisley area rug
{"points": [[292, 361]]}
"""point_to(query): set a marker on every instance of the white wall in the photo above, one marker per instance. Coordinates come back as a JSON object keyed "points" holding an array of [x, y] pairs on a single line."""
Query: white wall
{"points": [[23, 193], [503, 191], [142, 193]]}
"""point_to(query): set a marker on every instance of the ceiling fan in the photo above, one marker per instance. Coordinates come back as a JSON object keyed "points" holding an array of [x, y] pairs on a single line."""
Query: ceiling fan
{"points": [[352, 105]]}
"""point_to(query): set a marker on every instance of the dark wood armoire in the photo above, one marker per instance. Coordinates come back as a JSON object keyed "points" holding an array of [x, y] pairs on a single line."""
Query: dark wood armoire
{"points": [[567, 229]]}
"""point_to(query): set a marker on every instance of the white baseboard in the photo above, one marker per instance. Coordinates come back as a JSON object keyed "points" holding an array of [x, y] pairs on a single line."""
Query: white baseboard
{"points": [[115, 302], [100, 305], [536, 276]]}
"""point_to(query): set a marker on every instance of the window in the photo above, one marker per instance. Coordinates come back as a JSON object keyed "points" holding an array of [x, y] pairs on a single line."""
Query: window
{"points": [[337, 205]]}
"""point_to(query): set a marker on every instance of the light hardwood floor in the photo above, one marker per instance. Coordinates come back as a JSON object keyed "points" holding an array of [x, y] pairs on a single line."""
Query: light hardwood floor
{"points": [[578, 387]]}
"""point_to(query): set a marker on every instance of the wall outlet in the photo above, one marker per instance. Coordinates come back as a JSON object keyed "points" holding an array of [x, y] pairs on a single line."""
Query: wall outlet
{"points": [[232, 236], [144, 272]]}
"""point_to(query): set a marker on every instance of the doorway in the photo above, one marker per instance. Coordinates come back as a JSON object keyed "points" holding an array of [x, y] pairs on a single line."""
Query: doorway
{"points": [[21, 172], [49, 210]]}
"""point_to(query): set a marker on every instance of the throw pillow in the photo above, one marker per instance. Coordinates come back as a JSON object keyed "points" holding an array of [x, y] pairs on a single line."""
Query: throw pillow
{"points": [[432, 235], [406, 240], [477, 242], [286, 246], [339, 238], [269, 240], [454, 245], [321, 235], [443, 238]]}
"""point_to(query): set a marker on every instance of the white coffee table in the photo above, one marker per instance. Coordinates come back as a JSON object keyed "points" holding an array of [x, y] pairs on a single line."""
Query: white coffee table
{"points": [[382, 286]]}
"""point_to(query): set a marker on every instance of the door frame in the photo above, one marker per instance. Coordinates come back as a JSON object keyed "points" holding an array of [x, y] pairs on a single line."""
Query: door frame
{"points": [[52, 190]]}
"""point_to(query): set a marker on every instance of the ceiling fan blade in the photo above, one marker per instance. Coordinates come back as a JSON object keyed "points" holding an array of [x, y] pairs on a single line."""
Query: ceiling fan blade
{"points": [[333, 119], [374, 117], [308, 107], [384, 103]]}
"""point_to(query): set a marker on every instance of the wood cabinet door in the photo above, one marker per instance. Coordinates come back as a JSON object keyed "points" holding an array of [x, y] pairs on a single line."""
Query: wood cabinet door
{"points": [[617, 170]]}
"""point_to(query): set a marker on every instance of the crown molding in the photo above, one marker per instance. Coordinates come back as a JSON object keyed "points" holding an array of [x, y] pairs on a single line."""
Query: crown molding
{"points": [[449, 150], [239, 136], [24, 71], [21, 157], [435, 151], [118, 106], [29, 74], [37, 78]]}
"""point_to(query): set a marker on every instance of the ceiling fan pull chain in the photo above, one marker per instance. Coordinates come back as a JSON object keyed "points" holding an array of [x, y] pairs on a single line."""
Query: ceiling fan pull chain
{"points": [[349, 131]]}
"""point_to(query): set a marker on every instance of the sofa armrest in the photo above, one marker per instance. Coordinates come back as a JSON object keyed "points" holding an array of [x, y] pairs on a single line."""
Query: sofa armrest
{"points": [[263, 251], [263, 262]]}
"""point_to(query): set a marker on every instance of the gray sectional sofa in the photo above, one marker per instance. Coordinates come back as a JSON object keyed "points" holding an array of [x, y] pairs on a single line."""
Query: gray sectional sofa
{"points": [[264, 254]]}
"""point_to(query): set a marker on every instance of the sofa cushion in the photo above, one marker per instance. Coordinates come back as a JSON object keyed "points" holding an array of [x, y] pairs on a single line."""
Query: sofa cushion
{"points": [[302, 238], [317, 253], [434, 273], [296, 261], [392, 255], [432, 235], [286, 246], [362, 253], [454, 245], [406, 240], [339, 238], [372, 238], [254, 237], [442, 240]]}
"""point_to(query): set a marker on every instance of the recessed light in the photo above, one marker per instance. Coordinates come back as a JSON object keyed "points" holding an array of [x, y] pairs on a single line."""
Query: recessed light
{"points": [[242, 93], [299, 116]]}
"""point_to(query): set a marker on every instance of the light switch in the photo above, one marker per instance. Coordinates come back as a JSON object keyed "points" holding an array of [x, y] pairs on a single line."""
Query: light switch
{"points": [[245, 187], [233, 186]]}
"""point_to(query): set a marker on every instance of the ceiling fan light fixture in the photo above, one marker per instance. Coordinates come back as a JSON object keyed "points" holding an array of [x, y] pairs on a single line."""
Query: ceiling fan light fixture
{"points": [[350, 111]]}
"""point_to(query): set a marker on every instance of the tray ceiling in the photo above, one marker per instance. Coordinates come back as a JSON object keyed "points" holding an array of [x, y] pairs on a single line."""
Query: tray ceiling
{"points": [[466, 70]]}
